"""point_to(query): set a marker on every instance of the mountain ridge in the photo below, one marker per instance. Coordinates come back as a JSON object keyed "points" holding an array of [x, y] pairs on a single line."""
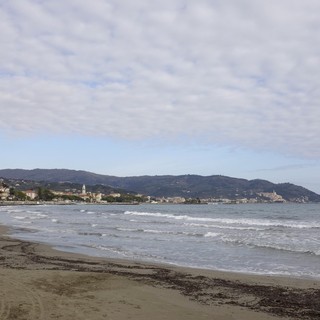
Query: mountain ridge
{"points": [[188, 186]]}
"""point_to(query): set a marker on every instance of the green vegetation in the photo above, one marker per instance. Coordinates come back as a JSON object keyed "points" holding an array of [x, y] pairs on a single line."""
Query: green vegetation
{"points": [[18, 195], [71, 198], [45, 194], [192, 201]]}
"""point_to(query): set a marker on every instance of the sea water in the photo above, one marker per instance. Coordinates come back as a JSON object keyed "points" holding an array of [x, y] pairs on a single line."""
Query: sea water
{"points": [[279, 239]]}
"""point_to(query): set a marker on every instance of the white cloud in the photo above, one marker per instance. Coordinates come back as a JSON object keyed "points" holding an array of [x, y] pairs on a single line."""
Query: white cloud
{"points": [[228, 72]]}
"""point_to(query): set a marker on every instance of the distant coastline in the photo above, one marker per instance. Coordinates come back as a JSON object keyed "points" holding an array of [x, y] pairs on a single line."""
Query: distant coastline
{"points": [[73, 186], [63, 203]]}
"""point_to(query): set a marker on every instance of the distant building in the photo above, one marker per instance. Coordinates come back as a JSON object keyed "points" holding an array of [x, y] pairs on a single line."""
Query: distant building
{"points": [[272, 196], [98, 197], [31, 194], [84, 189], [115, 195], [4, 192], [176, 200]]}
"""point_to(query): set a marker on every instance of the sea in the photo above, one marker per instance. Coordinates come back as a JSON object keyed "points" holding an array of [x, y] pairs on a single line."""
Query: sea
{"points": [[269, 239]]}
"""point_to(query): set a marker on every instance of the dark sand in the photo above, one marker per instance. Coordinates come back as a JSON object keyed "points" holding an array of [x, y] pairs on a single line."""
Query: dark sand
{"points": [[37, 282]]}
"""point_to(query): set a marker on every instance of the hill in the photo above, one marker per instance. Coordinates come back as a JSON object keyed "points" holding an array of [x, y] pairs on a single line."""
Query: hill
{"points": [[188, 186], [24, 184]]}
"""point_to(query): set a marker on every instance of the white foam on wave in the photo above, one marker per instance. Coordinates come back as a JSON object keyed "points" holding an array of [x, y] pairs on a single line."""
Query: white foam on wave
{"points": [[13, 211], [19, 217], [223, 227], [212, 234], [151, 214], [115, 250], [172, 232], [127, 229], [144, 230], [42, 215], [157, 231], [229, 221], [37, 216], [161, 232], [253, 243]]}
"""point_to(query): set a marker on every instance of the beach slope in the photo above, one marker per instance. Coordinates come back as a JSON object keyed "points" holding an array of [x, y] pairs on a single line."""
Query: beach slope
{"points": [[37, 282]]}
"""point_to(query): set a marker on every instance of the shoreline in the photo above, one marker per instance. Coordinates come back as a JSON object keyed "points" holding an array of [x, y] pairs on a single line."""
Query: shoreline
{"points": [[191, 269], [37, 203], [63, 283], [63, 250]]}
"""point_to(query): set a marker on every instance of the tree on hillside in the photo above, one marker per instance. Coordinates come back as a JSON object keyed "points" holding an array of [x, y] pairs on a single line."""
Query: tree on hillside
{"points": [[19, 195], [45, 194]]}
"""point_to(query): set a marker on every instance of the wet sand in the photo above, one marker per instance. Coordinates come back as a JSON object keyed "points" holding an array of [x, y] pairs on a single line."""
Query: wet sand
{"points": [[37, 282]]}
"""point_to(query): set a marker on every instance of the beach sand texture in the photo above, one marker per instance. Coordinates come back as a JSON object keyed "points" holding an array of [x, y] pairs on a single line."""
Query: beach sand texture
{"points": [[37, 282]]}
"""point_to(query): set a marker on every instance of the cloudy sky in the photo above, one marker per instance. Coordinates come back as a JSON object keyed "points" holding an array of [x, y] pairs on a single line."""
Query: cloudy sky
{"points": [[124, 87]]}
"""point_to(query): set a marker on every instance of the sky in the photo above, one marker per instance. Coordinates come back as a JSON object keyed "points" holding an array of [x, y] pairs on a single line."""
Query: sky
{"points": [[150, 87]]}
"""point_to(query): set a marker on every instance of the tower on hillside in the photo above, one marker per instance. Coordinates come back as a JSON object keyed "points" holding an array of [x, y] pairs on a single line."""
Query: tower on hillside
{"points": [[84, 189]]}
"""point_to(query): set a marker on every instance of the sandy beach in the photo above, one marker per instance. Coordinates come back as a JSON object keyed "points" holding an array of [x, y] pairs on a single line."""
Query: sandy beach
{"points": [[37, 282]]}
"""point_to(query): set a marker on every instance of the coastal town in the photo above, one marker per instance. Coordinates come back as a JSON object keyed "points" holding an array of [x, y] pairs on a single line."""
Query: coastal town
{"points": [[10, 194]]}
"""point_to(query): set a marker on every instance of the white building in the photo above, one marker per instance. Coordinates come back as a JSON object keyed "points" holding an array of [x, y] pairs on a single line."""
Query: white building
{"points": [[31, 194]]}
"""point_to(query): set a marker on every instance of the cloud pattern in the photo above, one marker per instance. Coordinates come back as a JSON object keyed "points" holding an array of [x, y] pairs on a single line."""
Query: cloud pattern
{"points": [[238, 72]]}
